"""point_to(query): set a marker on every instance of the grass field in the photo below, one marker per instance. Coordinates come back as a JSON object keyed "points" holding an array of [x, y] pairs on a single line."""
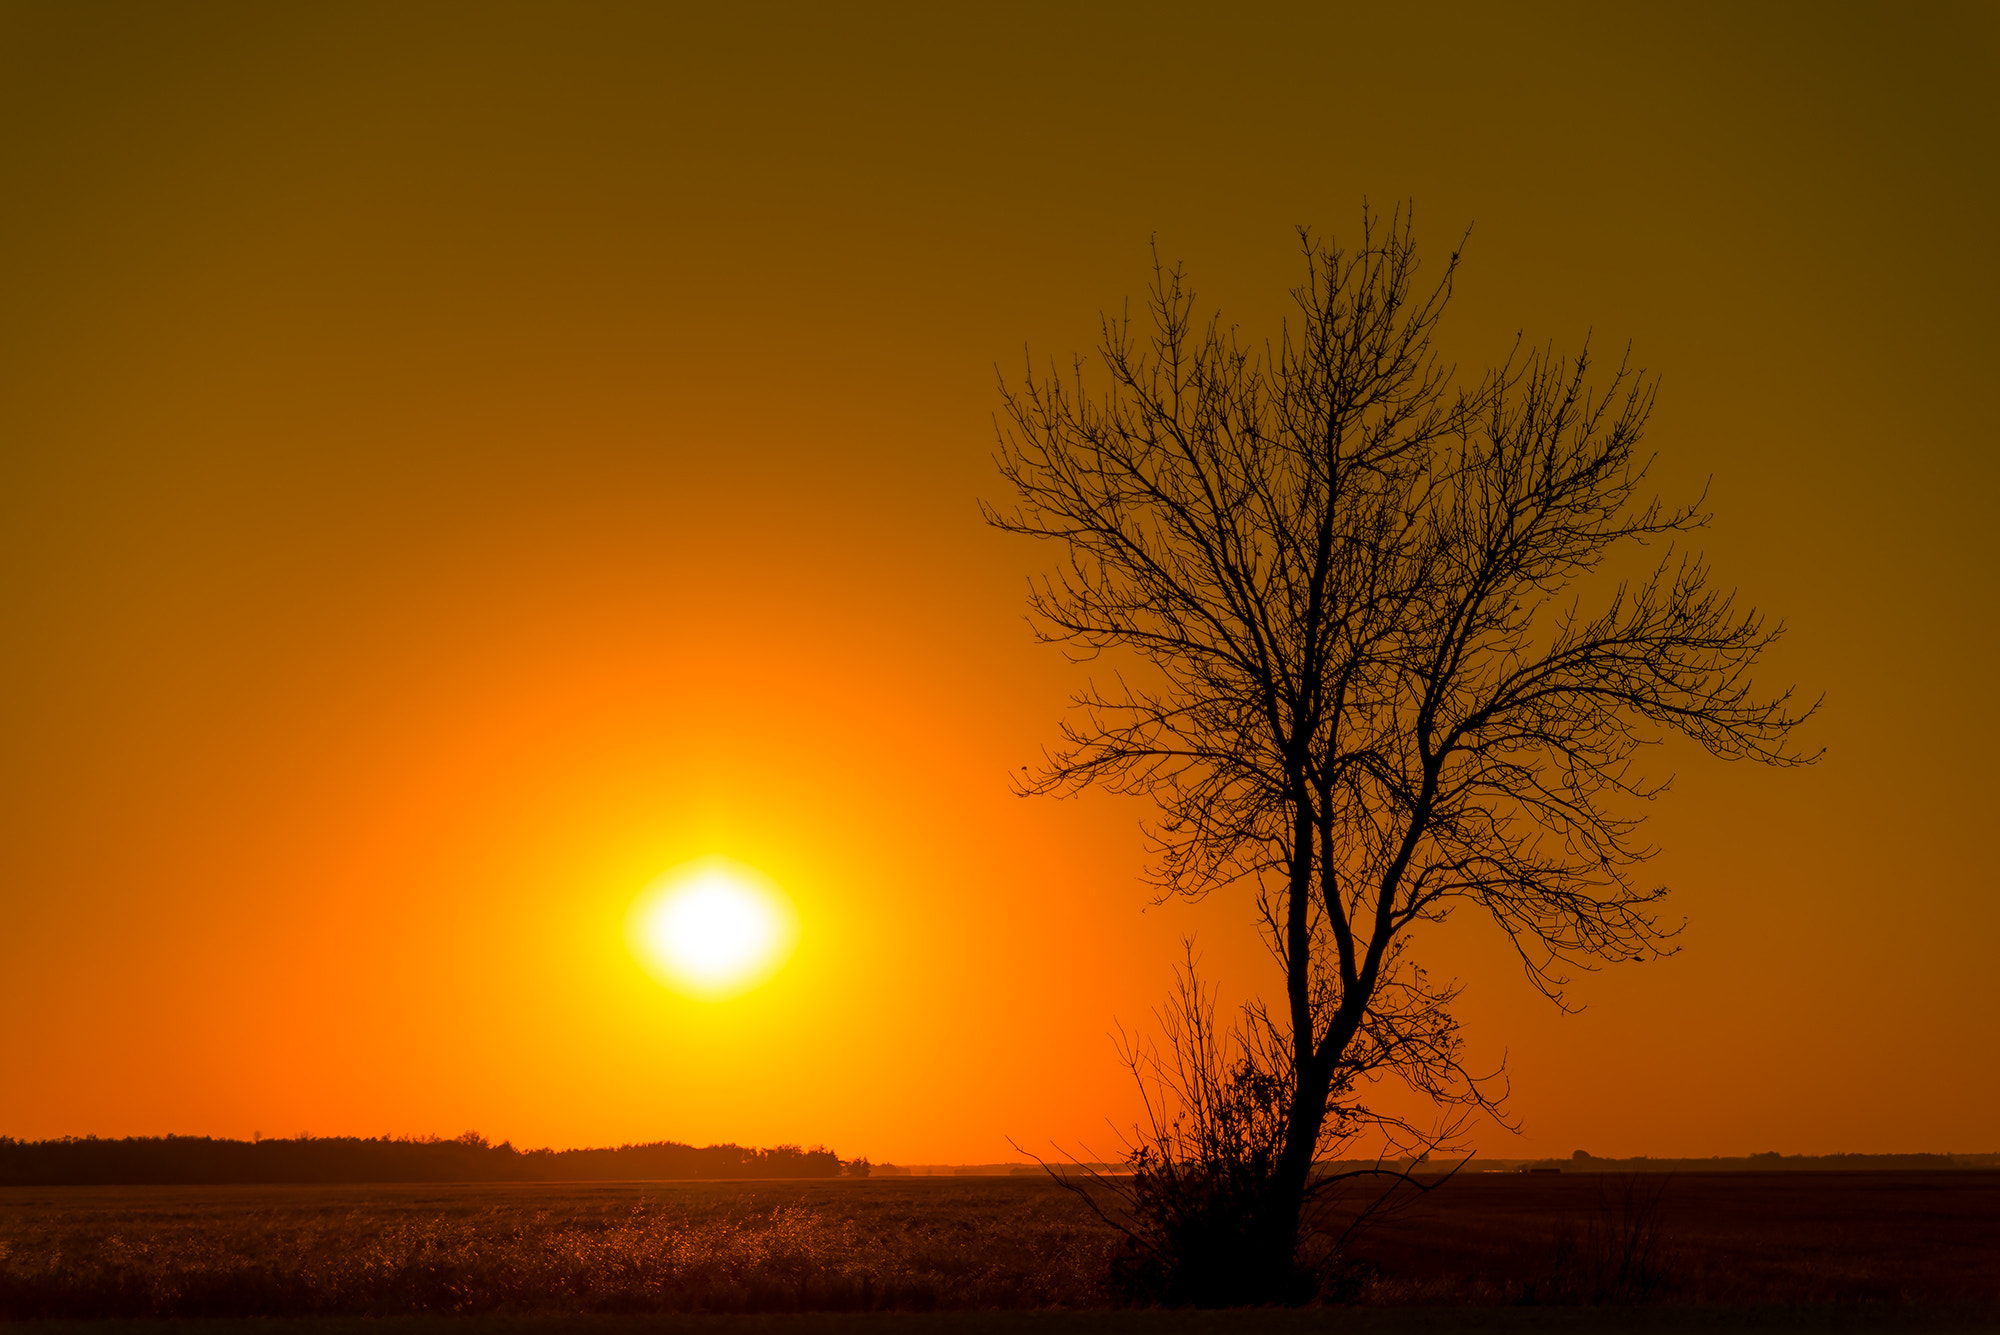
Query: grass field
{"points": [[1851, 1319], [1715, 1238], [1715, 1250]]}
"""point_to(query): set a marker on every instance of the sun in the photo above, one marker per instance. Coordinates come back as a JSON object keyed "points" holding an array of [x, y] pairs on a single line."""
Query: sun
{"points": [[712, 929]]}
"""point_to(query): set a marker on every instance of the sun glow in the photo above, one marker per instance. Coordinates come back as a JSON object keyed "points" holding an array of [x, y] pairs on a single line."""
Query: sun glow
{"points": [[712, 929]]}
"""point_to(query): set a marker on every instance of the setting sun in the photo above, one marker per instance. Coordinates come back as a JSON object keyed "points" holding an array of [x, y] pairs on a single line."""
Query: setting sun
{"points": [[712, 929]]}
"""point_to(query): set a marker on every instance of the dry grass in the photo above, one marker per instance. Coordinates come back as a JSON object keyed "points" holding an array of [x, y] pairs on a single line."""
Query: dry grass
{"points": [[1719, 1238], [284, 1251], [961, 1245]]}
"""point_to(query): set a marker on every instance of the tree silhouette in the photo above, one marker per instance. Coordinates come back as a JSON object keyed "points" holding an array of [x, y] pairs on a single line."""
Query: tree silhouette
{"points": [[1344, 598]]}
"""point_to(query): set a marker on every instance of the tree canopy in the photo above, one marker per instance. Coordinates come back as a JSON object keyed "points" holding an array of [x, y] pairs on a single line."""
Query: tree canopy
{"points": [[1369, 648]]}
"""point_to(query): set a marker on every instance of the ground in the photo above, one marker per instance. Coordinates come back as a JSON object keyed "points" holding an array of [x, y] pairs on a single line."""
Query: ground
{"points": [[973, 1256]]}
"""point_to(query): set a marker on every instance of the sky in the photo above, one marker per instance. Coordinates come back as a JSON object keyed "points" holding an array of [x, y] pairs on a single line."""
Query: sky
{"points": [[460, 461]]}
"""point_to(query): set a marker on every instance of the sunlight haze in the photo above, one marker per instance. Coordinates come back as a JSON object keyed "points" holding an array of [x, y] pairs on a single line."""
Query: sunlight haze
{"points": [[462, 461]]}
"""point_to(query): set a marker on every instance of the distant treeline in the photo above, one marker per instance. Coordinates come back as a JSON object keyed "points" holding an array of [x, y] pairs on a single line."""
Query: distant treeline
{"points": [[1770, 1162], [204, 1160]]}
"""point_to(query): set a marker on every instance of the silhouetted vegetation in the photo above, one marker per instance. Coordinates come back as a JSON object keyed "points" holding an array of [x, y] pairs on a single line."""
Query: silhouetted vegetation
{"points": [[1380, 644], [1193, 1210], [135, 1160]]}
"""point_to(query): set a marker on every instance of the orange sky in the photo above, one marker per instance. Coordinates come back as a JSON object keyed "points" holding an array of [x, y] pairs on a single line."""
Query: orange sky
{"points": [[461, 461]]}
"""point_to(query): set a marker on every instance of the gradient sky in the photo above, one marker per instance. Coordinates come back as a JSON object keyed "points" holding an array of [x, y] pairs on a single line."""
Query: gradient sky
{"points": [[460, 461]]}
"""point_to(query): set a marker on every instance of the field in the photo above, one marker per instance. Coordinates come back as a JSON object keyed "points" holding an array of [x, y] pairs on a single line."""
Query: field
{"points": [[1715, 1238], [1899, 1249]]}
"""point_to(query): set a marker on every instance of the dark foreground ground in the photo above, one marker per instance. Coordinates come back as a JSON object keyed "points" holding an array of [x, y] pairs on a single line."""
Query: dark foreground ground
{"points": [[1710, 1238], [1850, 1319], [978, 1256]]}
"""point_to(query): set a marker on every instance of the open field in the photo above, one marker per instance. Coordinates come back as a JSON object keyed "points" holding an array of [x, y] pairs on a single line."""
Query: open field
{"points": [[588, 1247], [1852, 1319], [1783, 1237], [1876, 1244]]}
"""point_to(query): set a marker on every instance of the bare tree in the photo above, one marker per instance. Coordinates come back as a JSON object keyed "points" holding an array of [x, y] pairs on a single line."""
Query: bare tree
{"points": [[1342, 592]]}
